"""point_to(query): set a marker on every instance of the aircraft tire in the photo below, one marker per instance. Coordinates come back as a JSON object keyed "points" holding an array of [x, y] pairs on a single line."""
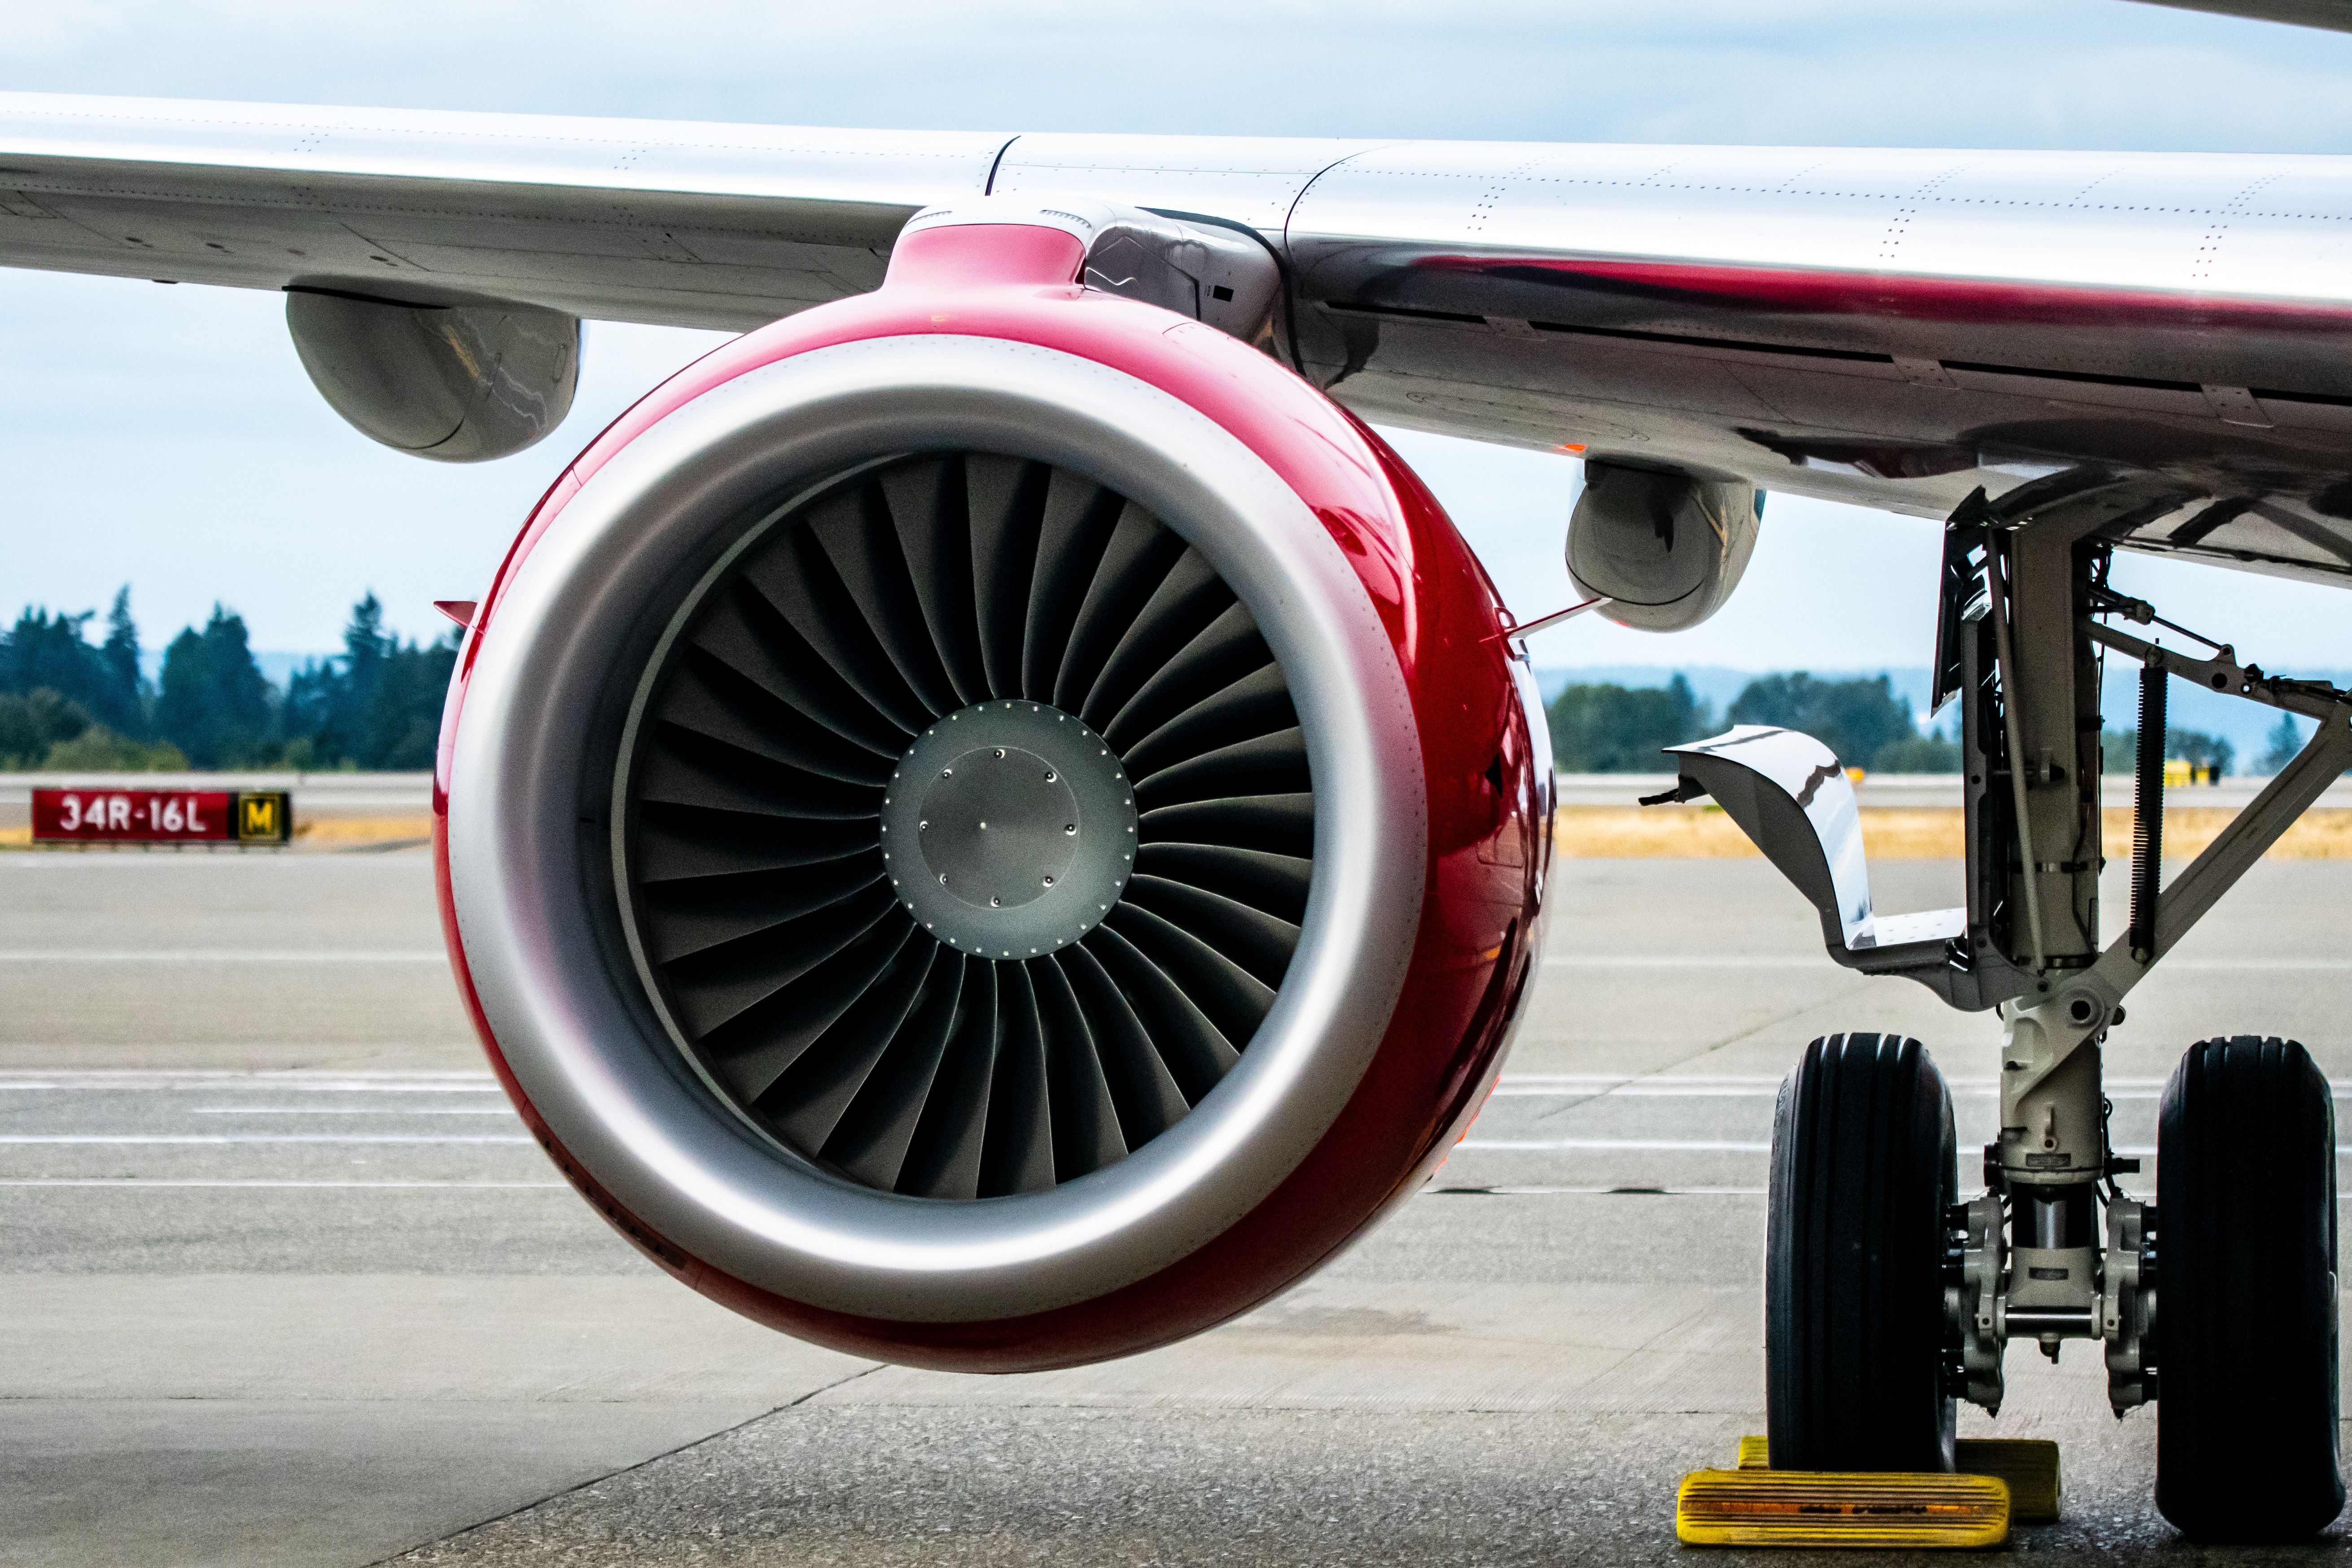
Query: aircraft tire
{"points": [[2245, 1331], [1863, 1171]]}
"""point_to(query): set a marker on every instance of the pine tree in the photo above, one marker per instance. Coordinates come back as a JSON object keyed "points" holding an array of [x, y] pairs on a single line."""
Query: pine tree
{"points": [[214, 703], [122, 705], [2285, 740]]}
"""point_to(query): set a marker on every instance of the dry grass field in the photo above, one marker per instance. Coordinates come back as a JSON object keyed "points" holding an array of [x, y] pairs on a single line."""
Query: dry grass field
{"points": [[328, 833], [1698, 831]]}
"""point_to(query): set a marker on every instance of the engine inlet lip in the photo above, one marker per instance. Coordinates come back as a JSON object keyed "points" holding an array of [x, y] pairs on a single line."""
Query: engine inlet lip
{"points": [[555, 1005]]}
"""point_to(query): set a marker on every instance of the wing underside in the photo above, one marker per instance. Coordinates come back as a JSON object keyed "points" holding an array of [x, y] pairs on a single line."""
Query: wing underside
{"points": [[1889, 328]]}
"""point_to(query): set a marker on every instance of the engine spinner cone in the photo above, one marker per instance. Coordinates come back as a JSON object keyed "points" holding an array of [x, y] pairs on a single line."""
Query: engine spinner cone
{"points": [[1009, 829]]}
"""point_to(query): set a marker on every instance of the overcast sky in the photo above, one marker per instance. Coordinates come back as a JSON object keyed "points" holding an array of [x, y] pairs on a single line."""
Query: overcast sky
{"points": [[167, 437]]}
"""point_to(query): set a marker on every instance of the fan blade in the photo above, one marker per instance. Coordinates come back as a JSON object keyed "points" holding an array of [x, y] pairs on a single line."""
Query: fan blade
{"points": [[1146, 1098], [1226, 649], [1196, 1055], [811, 1097], [1234, 999], [793, 574], [1256, 704], [1251, 937], [746, 633], [714, 987], [1189, 597], [875, 1134], [1086, 1122], [1136, 559], [944, 1159], [758, 1047], [1277, 884], [1018, 1154], [1269, 764], [711, 699], [686, 917], [929, 508], [862, 545], [1280, 823], [683, 768], [1071, 537], [673, 842], [1007, 498]]}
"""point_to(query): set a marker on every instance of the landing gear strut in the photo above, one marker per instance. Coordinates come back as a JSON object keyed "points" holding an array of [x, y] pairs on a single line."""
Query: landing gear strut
{"points": [[2241, 1357]]}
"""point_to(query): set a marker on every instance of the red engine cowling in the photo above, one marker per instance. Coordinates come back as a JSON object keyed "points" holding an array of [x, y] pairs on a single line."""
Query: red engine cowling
{"points": [[988, 825]]}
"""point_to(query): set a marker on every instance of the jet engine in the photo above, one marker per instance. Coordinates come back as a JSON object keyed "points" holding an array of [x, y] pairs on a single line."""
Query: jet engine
{"points": [[1664, 548], [988, 824]]}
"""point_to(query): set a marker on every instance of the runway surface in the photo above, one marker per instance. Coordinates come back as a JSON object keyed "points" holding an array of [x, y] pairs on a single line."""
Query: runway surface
{"points": [[282, 1281]]}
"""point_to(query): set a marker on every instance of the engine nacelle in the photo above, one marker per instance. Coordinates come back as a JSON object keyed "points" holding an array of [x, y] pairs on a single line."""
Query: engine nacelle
{"points": [[1664, 548], [988, 825], [456, 383]]}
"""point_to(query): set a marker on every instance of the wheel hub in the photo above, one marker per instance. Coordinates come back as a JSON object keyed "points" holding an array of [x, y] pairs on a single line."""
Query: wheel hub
{"points": [[1009, 829]]}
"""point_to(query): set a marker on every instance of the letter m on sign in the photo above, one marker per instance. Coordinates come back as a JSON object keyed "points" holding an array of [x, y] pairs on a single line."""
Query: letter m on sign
{"points": [[261, 816]]}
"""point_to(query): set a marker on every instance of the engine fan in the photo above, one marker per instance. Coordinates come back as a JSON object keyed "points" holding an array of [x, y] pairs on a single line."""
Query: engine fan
{"points": [[988, 825]]}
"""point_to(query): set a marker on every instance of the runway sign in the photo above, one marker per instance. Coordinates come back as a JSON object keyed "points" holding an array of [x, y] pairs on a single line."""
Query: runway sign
{"points": [[162, 816]]}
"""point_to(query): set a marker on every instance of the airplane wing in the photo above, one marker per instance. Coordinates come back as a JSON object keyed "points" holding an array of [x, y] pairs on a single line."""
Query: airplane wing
{"points": [[2336, 15], [1891, 328]]}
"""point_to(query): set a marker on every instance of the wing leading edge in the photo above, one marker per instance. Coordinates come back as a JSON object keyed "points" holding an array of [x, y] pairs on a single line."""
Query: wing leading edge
{"points": [[673, 223]]}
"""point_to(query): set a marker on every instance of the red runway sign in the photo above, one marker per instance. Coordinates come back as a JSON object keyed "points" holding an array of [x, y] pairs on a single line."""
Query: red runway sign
{"points": [[162, 816]]}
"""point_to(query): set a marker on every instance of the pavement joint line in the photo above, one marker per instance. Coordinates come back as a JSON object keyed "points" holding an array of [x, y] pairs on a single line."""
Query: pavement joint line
{"points": [[165, 1182], [630, 1469], [1520, 1192], [1821, 960], [1659, 1074], [215, 1139], [505, 1110], [326, 1081], [1691, 1145], [1508, 1090], [222, 955]]}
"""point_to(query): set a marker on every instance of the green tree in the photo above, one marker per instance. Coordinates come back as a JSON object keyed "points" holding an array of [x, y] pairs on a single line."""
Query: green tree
{"points": [[1604, 729], [1857, 719], [376, 705], [404, 722], [48, 652], [2285, 740], [33, 723], [124, 706], [214, 702], [1932, 753]]}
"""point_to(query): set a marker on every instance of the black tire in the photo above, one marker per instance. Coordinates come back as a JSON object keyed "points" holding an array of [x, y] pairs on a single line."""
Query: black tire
{"points": [[2245, 1334], [1863, 1170]]}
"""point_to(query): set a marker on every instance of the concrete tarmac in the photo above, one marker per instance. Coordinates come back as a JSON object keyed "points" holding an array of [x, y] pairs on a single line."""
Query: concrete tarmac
{"points": [[281, 1280]]}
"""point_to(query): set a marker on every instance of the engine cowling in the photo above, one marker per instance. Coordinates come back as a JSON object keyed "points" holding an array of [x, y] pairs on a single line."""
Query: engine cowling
{"points": [[1663, 547], [988, 825]]}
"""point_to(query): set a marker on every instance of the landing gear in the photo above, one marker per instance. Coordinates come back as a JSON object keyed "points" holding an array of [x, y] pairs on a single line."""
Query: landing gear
{"points": [[1863, 1176], [2219, 1305], [2245, 1343]]}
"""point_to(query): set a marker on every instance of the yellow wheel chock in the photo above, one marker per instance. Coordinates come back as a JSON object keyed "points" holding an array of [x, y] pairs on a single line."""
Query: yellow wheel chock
{"points": [[2029, 1465], [2000, 1481], [1888, 1508]]}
